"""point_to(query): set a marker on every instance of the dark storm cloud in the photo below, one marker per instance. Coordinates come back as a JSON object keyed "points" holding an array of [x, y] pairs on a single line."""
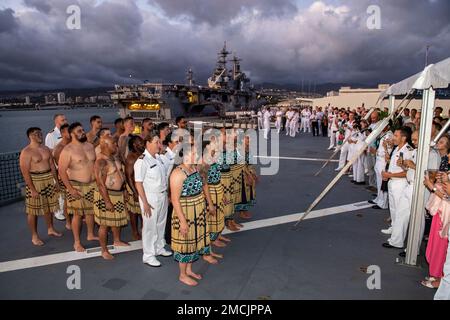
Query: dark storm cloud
{"points": [[322, 41], [219, 12], [7, 20]]}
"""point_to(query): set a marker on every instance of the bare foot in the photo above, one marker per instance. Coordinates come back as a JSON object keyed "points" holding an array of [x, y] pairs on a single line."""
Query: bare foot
{"points": [[92, 238], [217, 255], [219, 244], [37, 242], [238, 225], [187, 280], [232, 227], [107, 256], [194, 275], [68, 226], [223, 238], [53, 232], [121, 244], [136, 236], [245, 215], [78, 247], [210, 259]]}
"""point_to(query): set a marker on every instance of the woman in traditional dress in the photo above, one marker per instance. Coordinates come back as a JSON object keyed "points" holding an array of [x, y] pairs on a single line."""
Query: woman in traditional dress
{"points": [[226, 160], [190, 234], [210, 172], [248, 180]]}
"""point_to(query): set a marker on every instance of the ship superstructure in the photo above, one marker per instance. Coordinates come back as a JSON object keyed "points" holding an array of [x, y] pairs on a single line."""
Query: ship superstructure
{"points": [[226, 90]]}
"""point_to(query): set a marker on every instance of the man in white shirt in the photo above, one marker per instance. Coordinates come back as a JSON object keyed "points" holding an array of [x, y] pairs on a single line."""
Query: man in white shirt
{"points": [[54, 136], [399, 201], [260, 119], [384, 149], [51, 140], [151, 183], [279, 116], [266, 123]]}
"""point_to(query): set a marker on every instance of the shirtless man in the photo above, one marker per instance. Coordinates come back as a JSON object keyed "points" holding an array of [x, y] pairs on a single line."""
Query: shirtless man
{"points": [[109, 198], [65, 140], [128, 124], [76, 169], [147, 127], [103, 132], [42, 191], [137, 148], [96, 124], [118, 124]]}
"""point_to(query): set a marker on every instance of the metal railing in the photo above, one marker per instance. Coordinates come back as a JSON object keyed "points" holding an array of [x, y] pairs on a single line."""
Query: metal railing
{"points": [[11, 180]]}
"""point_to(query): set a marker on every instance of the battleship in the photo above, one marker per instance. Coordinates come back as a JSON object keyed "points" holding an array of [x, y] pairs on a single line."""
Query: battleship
{"points": [[227, 90]]}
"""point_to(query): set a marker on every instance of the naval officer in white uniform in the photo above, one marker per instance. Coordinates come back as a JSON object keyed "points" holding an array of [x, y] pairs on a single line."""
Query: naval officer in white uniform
{"points": [[266, 123], [51, 140], [151, 183], [399, 200]]}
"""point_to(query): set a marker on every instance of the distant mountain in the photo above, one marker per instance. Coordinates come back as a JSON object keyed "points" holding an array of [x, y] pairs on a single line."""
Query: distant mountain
{"points": [[321, 88], [68, 91]]}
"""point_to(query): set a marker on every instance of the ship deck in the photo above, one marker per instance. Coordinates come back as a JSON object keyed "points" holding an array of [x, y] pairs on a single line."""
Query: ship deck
{"points": [[266, 260]]}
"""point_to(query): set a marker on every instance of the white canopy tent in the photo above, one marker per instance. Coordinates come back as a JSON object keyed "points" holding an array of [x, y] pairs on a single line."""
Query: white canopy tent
{"points": [[435, 76]]}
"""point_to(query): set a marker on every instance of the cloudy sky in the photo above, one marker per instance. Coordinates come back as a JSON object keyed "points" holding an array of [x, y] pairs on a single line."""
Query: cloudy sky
{"points": [[280, 41]]}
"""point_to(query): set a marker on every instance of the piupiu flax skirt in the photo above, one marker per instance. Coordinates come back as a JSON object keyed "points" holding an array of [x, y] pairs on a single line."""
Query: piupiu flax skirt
{"points": [[188, 248], [132, 205], [84, 205], [62, 188], [237, 173], [47, 201], [248, 194], [226, 182], [216, 223], [104, 217]]}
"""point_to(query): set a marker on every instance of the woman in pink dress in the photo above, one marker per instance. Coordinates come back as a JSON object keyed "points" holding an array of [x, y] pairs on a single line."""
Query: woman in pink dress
{"points": [[439, 207]]}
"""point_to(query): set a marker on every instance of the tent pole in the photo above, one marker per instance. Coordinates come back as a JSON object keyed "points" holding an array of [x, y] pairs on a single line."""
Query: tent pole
{"points": [[418, 200], [391, 104], [441, 133], [369, 140]]}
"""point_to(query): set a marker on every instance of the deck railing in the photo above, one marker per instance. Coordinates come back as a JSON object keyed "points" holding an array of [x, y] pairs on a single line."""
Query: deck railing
{"points": [[11, 179]]}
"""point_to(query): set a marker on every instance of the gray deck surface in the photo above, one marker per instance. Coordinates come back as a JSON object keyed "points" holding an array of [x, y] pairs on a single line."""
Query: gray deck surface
{"points": [[321, 260]]}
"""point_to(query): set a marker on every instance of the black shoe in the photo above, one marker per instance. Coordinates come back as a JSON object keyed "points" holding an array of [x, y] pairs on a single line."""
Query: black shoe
{"points": [[402, 254], [388, 246], [374, 194], [353, 181], [371, 202], [377, 207], [360, 183]]}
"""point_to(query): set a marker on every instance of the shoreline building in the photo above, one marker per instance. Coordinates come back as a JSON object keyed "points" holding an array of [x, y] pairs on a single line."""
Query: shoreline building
{"points": [[356, 97]]}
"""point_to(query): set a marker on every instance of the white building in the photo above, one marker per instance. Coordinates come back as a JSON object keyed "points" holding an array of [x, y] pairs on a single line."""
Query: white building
{"points": [[61, 98]]}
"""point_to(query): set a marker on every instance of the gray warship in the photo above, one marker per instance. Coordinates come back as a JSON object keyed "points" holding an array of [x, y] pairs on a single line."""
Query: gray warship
{"points": [[227, 90]]}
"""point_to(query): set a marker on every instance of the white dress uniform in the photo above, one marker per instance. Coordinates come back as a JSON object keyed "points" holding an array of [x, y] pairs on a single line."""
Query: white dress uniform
{"points": [[400, 228], [399, 201], [266, 124], [371, 159], [53, 138], [345, 147], [380, 165], [152, 173], [293, 124], [289, 116], [260, 119], [332, 130], [278, 116], [307, 121], [168, 160], [359, 165]]}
